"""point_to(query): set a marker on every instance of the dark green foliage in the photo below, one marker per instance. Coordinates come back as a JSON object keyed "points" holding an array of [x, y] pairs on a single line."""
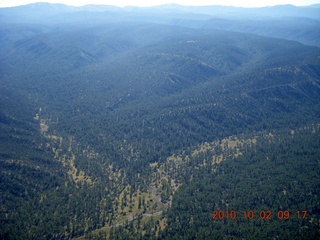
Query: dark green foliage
{"points": [[119, 92], [281, 174]]}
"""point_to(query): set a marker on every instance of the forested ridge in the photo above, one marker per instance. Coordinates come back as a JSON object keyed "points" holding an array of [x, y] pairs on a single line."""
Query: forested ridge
{"points": [[139, 123], [274, 174]]}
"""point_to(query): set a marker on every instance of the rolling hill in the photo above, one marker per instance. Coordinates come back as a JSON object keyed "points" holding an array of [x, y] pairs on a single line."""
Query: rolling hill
{"points": [[113, 120]]}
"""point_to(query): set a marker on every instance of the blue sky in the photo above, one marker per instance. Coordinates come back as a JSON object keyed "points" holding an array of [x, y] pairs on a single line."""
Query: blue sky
{"points": [[238, 3]]}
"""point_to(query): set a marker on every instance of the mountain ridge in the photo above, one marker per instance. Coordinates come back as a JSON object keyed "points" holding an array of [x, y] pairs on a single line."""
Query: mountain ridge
{"points": [[134, 125], [277, 21]]}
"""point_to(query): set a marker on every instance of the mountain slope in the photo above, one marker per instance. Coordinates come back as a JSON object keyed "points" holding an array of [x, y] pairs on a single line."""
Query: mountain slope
{"points": [[96, 117], [264, 189], [283, 21]]}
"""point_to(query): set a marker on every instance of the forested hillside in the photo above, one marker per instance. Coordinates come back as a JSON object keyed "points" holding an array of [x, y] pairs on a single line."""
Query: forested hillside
{"points": [[138, 123]]}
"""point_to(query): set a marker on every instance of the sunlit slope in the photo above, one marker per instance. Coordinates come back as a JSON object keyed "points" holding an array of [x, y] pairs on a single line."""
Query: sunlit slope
{"points": [[91, 114], [194, 85]]}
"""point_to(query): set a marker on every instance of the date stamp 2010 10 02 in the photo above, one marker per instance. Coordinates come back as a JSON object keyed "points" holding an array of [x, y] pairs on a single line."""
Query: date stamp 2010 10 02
{"points": [[263, 214]]}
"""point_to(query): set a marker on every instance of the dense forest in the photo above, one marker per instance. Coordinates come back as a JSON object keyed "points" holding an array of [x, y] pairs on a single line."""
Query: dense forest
{"points": [[168, 122]]}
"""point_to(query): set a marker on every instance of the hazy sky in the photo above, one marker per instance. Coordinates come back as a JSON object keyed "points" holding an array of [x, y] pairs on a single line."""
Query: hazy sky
{"points": [[238, 3]]}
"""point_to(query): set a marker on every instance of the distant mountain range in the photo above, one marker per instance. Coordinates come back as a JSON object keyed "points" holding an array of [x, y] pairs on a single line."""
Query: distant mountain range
{"points": [[283, 21]]}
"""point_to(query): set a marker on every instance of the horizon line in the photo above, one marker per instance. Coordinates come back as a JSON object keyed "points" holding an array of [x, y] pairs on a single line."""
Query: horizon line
{"points": [[159, 5]]}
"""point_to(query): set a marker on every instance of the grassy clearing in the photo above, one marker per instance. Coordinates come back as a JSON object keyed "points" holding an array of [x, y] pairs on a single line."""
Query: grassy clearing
{"points": [[55, 143]]}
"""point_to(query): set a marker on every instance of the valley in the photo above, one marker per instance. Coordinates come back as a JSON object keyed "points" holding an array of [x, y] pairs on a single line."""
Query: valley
{"points": [[138, 123]]}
